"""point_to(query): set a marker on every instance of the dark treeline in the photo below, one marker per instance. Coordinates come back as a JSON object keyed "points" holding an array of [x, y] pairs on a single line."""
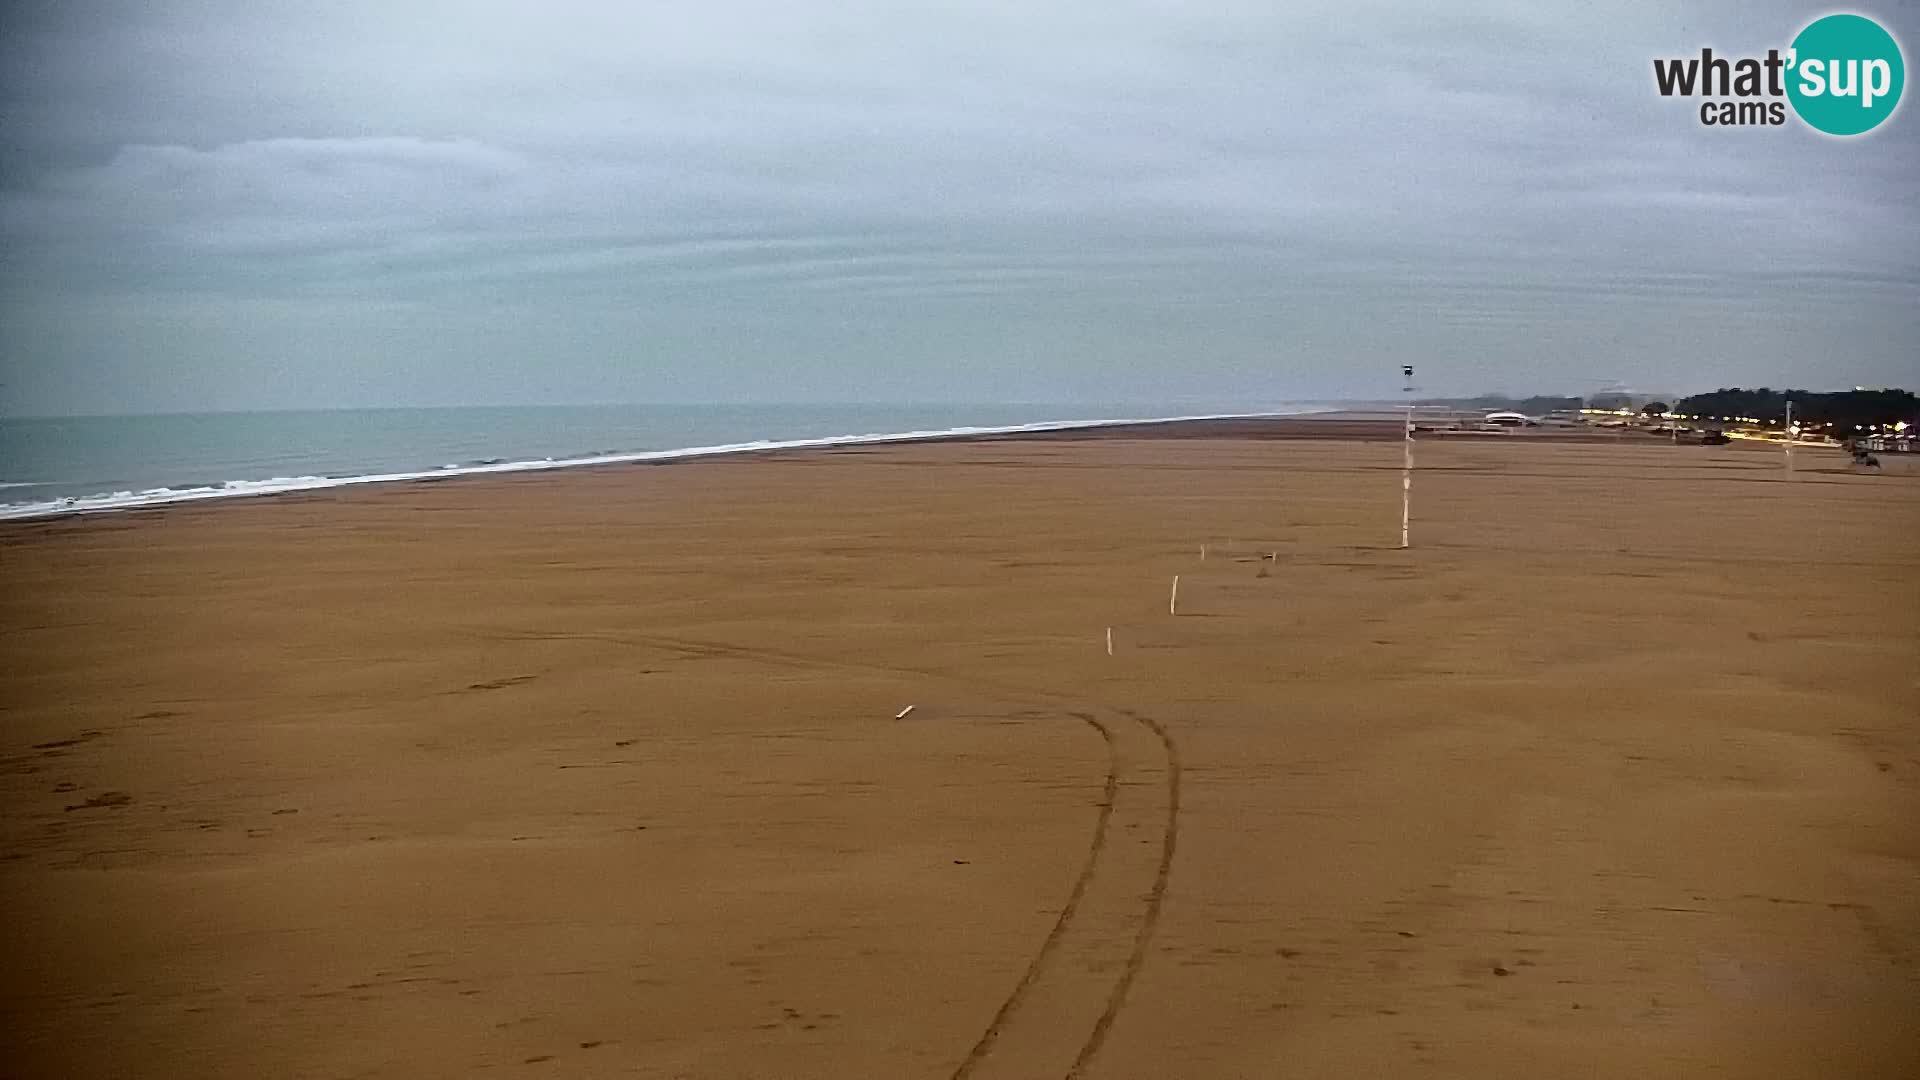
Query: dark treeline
{"points": [[1842, 409]]}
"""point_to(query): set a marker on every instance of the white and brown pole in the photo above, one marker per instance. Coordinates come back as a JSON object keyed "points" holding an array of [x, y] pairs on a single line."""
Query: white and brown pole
{"points": [[1406, 480], [1789, 438], [1406, 460]]}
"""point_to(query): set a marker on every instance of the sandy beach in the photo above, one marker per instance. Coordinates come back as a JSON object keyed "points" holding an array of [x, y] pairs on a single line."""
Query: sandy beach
{"points": [[1615, 772]]}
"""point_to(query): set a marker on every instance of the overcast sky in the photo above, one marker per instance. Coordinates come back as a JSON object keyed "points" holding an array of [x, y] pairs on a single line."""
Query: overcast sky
{"points": [[267, 205]]}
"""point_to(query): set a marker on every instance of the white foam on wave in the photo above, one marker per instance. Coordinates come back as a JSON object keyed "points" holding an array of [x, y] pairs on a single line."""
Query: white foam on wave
{"points": [[280, 485]]}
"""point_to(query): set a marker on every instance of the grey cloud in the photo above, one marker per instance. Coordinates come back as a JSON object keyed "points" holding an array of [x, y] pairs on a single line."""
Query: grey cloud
{"points": [[351, 203]]}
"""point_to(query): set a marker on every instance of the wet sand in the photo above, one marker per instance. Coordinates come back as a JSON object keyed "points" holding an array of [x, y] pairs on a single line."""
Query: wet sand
{"points": [[1615, 772]]}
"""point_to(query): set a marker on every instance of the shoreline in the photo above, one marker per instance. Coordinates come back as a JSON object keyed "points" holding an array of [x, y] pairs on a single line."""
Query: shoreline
{"points": [[1353, 424], [156, 498]]}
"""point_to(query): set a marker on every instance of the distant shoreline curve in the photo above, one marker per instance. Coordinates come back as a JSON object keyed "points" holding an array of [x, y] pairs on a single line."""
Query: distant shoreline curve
{"points": [[1149, 427]]}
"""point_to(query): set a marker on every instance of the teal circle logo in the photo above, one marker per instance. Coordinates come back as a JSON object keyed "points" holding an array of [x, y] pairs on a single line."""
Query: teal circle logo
{"points": [[1845, 74]]}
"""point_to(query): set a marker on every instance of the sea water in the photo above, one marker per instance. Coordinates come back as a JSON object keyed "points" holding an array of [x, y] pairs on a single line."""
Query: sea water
{"points": [[61, 465]]}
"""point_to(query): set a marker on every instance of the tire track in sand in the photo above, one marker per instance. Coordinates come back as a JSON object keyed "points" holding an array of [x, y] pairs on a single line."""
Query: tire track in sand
{"points": [[1063, 1006], [984, 1044], [1150, 920]]}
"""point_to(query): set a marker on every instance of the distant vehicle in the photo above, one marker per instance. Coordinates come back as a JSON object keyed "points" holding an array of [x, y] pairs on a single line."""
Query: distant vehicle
{"points": [[1715, 438], [1509, 419]]}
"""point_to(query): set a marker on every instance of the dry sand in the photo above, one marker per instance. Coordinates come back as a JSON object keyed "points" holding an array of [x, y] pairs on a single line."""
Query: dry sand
{"points": [[1615, 773]]}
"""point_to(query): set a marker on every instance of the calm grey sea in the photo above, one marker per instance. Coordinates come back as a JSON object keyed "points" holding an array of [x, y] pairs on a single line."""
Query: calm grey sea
{"points": [[79, 463]]}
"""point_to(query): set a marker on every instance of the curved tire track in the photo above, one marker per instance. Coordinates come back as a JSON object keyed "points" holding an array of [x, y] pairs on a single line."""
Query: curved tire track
{"points": [[1110, 914], [991, 1035], [1170, 840]]}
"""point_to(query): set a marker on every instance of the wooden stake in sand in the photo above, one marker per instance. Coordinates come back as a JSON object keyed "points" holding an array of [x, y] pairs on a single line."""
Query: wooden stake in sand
{"points": [[1203, 553], [1109, 641], [1173, 601]]}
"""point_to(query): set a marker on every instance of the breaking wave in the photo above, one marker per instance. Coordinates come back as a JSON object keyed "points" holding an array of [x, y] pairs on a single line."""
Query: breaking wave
{"points": [[230, 489]]}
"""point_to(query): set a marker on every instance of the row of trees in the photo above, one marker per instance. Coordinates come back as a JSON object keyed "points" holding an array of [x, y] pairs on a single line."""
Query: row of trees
{"points": [[1843, 409]]}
